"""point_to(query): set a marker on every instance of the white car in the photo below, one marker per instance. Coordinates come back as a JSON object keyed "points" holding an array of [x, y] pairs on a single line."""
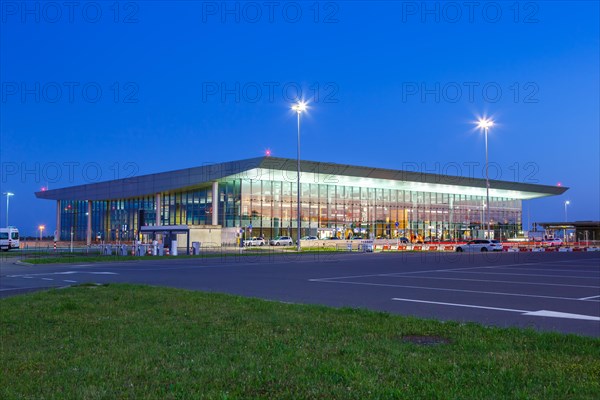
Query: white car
{"points": [[482, 245], [552, 242], [281, 241], [255, 241]]}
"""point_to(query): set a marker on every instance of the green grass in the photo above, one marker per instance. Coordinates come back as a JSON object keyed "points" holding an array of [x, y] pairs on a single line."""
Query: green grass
{"points": [[124, 341], [250, 252]]}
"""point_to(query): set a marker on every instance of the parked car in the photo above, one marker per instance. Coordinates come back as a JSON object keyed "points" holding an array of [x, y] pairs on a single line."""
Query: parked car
{"points": [[482, 245], [552, 242], [281, 241], [309, 238], [403, 240], [255, 241]]}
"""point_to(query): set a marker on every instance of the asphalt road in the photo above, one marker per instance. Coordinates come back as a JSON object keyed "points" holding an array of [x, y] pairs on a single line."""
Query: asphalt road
{"points": [[545, 291]]}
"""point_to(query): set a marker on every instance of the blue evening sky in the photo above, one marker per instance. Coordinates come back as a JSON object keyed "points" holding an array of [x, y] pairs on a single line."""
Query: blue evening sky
{"points": [[100, 90]]}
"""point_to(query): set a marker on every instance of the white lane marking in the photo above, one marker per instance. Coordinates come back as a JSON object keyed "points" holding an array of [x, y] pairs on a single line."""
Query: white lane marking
{"points": [[62, 273], [47, 279], [398, 273], [540, 313], [25, 288], [589, 298], [558, 314], [495, 281], [515, 274], [554, 270], [449, 290], [445, 270], [458, 305], [66, 280]]}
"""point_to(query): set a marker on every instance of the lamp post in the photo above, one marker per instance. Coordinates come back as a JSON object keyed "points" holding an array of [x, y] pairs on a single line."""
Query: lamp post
{"points": [[41, 228], [7, 194], [486, 124], [300, 107], [567, 202]]}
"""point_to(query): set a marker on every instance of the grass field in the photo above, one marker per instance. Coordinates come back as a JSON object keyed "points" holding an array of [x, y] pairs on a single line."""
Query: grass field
{"points": [[124, 341], [60, 258]]}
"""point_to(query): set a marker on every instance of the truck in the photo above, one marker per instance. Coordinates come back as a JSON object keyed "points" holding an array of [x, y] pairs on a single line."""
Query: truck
{"points": [[9, 238]]}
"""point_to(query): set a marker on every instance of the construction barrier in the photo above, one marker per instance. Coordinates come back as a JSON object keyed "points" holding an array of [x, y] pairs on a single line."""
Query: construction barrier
{"points": [[506, 247]]}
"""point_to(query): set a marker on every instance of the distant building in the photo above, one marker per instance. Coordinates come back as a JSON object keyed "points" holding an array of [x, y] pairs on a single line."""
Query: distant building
{"points": [[584, 230], [217, 201]]}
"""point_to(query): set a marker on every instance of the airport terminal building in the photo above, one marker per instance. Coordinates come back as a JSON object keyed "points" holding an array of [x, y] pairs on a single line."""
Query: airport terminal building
{"points": [[219, 201]]}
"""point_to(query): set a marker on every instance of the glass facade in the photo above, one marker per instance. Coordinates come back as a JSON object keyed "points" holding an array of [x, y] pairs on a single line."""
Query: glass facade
{"points": [[330, 206]]}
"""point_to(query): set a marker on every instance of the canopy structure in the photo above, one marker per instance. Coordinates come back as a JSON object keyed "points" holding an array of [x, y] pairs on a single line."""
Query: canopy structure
{"points": [[167, 231], [267, 168]]}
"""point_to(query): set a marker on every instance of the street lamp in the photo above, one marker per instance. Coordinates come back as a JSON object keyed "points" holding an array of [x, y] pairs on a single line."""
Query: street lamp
{"points": [[41, 228], [486, 124], [300, 107], [7, 194], [567, 202]]}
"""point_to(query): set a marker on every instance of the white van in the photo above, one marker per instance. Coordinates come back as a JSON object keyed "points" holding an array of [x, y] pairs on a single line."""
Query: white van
{"points": [[9, 238]]}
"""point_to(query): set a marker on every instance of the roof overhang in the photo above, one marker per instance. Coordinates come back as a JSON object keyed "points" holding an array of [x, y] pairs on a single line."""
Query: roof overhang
{"points": [[272, 168]]}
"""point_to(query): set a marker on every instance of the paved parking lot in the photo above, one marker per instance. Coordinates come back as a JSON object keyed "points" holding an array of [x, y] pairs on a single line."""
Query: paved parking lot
{"points": [[545, 291]]}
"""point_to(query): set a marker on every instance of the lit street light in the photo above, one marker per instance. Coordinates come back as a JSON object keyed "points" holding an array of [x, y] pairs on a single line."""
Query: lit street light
{"points": [[486, 124], [41, 228], [7, 194], [300, 107]]}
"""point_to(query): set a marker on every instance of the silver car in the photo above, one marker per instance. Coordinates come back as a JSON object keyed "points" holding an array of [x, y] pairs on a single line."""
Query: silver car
{"points": [[480, 245], [281, 241]]}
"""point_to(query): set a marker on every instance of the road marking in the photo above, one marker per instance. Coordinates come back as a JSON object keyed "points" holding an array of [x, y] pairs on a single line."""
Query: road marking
{"points": [[449, 290], [554, 270], [449, 270], [26, 288], [589, 298], [557, 314], [543, 275], [399, 273], [28, 276], [66, 280], [47, 279], [540, 313], [495, 281]]}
